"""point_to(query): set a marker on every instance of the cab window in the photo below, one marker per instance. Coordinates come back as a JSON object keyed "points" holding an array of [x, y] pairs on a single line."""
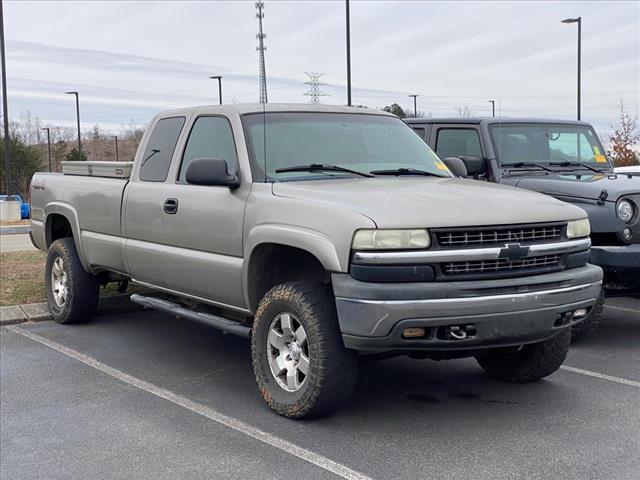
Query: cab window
{"points": [[210, 137], [156, 160], [458, 142]]}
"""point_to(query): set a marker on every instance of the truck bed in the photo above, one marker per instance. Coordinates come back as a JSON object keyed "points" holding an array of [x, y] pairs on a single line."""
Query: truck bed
{"points": [[92, 202]]}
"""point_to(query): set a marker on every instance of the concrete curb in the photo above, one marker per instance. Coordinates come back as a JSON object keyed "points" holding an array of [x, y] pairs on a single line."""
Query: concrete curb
{"points": [[39, 312], [13, 230]]}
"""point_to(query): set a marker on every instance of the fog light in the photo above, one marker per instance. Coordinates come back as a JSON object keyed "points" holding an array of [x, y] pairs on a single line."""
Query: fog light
{"points": [[627, 234], [414, 332], [579, 313]]}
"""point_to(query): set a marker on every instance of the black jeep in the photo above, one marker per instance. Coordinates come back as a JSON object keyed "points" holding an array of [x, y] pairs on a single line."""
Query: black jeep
{"points": [[564, 159]]}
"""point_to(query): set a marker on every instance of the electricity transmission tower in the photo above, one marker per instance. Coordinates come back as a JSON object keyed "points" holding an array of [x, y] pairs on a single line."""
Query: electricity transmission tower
{"points": [[261, 48], [314, 87]]}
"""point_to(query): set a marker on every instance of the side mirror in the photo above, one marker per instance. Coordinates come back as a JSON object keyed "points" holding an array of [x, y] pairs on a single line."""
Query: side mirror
{"points": [[211, 171], [457, 166], [475, 165]]}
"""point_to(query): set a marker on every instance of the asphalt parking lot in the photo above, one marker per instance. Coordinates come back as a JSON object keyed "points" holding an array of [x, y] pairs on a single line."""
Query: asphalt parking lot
{"points": [[145, 395]]}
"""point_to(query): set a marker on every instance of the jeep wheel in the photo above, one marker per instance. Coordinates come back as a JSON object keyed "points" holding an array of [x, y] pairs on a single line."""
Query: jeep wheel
{"points": [[72, 292], [301, 364], [588, 325], [526, 363]]}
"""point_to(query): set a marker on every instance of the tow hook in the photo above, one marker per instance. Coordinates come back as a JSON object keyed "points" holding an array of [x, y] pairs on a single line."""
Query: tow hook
{"points": [[458, 333]]}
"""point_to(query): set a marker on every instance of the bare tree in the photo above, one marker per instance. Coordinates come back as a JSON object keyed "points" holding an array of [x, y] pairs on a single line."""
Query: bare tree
{"points": [[465, 112], [624, 141]]}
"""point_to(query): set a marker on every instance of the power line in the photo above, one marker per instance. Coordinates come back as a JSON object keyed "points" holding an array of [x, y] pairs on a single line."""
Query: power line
{"points": [[261, 48], [314, 87]]}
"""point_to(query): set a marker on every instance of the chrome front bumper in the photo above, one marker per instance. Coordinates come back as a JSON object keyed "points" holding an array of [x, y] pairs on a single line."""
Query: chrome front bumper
{"points": [[502, 312]]}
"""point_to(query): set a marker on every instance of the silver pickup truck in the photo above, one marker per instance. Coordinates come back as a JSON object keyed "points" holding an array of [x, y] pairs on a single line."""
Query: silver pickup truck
{"points": [[324, 234]]}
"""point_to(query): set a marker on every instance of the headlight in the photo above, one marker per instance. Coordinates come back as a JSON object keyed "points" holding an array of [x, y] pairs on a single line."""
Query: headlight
{"points": [[391, 239], [624, 210], [578, 228]]}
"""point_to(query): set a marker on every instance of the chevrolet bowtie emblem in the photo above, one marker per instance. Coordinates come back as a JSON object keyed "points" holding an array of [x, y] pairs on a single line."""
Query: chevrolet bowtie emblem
{"points": [[513, 251]]}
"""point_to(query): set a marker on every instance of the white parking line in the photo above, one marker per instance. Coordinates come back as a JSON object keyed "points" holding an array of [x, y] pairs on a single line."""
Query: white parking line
{"points": [[624, 309], [208, 412], [602, 376]]}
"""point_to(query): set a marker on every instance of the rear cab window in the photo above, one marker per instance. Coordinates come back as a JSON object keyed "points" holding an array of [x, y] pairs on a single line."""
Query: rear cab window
{"points": [[156, 159]]}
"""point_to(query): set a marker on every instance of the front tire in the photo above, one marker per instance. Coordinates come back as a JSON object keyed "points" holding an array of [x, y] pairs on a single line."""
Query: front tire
{"points": [[300, 362], [526, 363], [72, 292]]}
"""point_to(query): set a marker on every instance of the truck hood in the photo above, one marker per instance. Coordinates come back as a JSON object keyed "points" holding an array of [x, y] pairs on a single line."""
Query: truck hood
{"points": [[578, 186], [405, 202]]}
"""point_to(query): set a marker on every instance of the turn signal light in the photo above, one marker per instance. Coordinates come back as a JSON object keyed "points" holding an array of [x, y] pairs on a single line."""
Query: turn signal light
{"points": [[414, 332]]}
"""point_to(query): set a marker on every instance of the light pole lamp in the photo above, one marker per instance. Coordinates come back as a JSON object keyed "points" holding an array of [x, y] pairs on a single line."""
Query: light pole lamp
{"points": [[348, 27], [48, 130], [219, 78], [5, 109], [577, 20], [493, 107], [77, 120], [116, 139], [415, 106]]}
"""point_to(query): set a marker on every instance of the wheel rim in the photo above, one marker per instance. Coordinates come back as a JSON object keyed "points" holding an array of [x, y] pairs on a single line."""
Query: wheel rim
{"points": [[288, 352], [59, 282]]}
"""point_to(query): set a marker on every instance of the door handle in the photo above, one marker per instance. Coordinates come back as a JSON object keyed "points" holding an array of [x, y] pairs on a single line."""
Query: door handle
{"points": [[171, 206]]}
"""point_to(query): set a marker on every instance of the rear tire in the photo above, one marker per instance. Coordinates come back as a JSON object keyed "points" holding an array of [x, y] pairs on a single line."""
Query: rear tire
{"points": [[72, 292], [526, 363], [300, 362], [588, 325]]}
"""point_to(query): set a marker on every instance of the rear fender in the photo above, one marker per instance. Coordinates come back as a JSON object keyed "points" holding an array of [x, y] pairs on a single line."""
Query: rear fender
{"points": [[69, 212]]}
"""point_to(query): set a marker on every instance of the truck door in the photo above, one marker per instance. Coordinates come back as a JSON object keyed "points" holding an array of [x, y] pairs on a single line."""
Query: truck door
{"points": [[143, 214], [456, 141], [202, 233]]}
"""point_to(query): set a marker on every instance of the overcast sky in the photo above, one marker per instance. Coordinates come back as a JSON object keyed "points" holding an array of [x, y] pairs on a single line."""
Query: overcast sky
{"points": [[130, 60]]}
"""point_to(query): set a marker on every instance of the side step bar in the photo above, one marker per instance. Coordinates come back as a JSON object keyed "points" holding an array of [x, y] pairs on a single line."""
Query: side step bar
{"points": [[227, 326]]}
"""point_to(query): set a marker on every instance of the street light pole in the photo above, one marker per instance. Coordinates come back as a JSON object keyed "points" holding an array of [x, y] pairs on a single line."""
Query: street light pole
{"points": [[415, 106], [348, 54], [5, 110], [117, 157], [493, 107], [78, 120], [48, 130], [578, 20], [219, 78]]}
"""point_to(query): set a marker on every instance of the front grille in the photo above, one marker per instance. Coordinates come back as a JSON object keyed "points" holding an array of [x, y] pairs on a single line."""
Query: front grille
{"points": [[501, 265], [492, 236]]}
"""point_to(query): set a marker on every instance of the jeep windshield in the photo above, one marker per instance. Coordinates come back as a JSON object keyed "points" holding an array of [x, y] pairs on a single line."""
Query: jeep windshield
{"points": [[561, 147], [295, 145]]}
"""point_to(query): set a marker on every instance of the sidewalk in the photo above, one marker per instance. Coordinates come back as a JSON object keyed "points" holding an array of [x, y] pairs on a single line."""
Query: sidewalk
{"points": [[14, 229], [39, 312]]}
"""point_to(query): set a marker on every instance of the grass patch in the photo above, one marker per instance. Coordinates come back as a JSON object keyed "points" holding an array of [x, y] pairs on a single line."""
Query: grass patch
{"points": [[22, 279], [5, 223]]}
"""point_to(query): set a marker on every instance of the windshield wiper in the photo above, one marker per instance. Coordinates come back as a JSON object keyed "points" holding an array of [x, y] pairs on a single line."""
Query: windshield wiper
{"points": [[405, 171], [530, 164], [320, 167], [580, 164]]}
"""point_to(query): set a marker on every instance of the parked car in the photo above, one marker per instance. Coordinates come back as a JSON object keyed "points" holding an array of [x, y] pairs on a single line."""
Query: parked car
{"points": [[322, 233], [564, 159], [24, 206]]}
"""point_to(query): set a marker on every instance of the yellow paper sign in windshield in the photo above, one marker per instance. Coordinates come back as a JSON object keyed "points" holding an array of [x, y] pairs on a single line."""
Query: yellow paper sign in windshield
{"points": [[442, 166], [601, 158]]}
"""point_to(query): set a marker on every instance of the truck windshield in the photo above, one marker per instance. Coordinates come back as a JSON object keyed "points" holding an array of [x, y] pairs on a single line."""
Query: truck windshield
{"points": [[547, 143], [344, 141]]}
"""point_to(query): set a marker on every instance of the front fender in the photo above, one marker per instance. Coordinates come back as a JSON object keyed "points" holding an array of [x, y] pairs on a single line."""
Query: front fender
{"points": [[316, 243]]}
